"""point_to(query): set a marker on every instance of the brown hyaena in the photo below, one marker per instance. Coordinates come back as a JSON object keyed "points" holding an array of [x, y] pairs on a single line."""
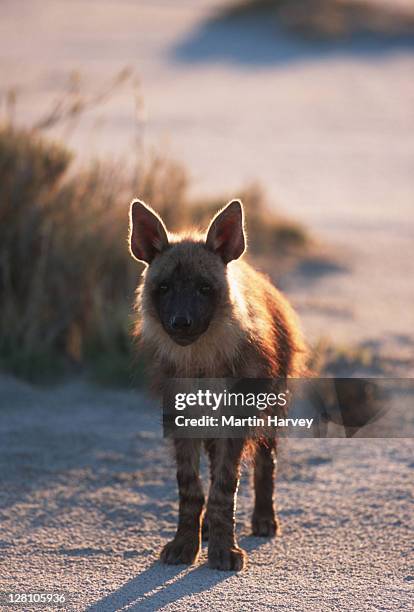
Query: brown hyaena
{"points": [[204, 312]]}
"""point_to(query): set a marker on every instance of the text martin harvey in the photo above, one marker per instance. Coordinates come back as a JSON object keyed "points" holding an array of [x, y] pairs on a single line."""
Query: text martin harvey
{"points": [[232, 421]]}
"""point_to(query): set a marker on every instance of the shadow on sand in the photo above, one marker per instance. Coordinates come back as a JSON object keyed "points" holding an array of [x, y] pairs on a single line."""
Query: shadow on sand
{"points": [[260, 41], [160, 585]]}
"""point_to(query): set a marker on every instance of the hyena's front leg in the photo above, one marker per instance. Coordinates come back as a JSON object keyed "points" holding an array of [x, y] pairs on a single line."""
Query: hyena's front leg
{"points": [[264, 521], [223, 552], [185, 547], [210, 447]]}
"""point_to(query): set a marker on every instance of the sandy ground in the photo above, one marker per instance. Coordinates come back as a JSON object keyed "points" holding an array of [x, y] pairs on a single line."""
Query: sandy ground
{"points": [[88, 490], [88, 498]]}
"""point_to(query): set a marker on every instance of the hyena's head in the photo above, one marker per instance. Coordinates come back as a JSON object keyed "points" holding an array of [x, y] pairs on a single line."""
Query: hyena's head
{"points": [[185, 284]]}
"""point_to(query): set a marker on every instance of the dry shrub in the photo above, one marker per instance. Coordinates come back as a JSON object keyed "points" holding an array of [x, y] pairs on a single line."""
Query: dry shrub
{"points": [[66, 277]]}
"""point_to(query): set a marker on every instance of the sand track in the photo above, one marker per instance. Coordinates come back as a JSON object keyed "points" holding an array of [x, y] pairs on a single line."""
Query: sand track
{"points": [[88, 498]]}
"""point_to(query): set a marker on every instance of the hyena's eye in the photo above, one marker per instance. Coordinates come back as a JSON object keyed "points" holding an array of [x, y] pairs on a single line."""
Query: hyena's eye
{"points": [[205, 289], [163, 288]]}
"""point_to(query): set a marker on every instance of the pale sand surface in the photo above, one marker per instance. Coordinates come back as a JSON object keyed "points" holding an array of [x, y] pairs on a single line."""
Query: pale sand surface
{"points": [[88, 498]]}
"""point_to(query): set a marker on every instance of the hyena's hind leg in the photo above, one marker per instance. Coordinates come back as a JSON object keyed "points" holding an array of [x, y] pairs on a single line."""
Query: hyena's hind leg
{"points": [[184, 548], [264, 520]]}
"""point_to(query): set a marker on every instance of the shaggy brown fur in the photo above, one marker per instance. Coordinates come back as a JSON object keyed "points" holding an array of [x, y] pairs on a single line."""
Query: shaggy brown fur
{"points": [[250, 331]]}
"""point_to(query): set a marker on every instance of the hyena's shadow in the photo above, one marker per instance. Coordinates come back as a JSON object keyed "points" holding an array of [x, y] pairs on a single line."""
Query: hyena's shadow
{"points": [[160, 585]]}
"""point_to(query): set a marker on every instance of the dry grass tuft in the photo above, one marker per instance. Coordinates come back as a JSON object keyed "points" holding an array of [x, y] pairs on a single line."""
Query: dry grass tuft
{"points": [[269, 234], [327, 359]]}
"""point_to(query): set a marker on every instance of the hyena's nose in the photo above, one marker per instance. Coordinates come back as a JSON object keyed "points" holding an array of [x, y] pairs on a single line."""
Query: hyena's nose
{"points": [[181, 323]]}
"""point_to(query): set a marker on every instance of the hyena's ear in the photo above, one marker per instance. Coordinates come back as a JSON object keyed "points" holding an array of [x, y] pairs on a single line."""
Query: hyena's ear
{"points": [[225, 235], [147, 233]]}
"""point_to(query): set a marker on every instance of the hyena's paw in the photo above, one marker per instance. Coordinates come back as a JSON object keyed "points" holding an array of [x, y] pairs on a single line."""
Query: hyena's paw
{"points": [[180, 550], [265, 526], [227, 559]]}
